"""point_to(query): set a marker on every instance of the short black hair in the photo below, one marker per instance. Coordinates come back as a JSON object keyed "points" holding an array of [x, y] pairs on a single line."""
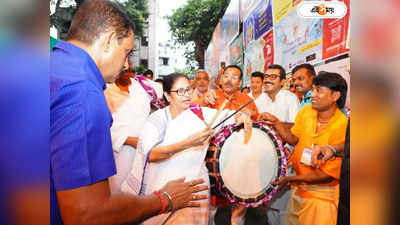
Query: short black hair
{"points": [[96, 17], [245, 88], [257, 74], [148, 72], [237, 67], [282, 71], [335, 82], [159, 80], [310, 69]]}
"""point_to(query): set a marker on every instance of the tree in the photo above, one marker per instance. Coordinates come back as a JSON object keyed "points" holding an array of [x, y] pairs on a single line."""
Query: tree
{"points": [[137, 11], [195, 22]]}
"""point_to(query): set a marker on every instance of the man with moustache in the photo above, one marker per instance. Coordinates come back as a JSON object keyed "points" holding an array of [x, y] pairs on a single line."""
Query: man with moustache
{"points": [[99, 41], [284, 105], [303, 75], [231, 81], [279, 102], [202, 81]]}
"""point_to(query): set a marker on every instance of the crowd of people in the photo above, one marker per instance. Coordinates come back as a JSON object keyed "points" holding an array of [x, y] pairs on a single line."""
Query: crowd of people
{"points": [[127, 149]]}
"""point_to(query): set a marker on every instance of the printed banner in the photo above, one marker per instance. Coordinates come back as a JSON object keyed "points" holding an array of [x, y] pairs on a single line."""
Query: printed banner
{"points": [[297, 41], [268, 49], [236, 51], [254, 58], [336, 35], [282, 7], [230, 23], [262, 18], [245, 8]]}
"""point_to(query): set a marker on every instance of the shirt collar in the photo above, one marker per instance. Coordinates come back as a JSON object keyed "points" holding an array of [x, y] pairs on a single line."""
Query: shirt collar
{"points": [[76, 51], [307, 97]]}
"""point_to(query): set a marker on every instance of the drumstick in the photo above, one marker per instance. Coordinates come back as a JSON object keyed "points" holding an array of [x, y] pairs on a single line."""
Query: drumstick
{"points": [[217, 114], [233, 114]]}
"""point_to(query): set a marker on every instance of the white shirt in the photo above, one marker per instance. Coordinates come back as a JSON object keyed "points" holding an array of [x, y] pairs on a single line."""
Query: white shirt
{"points": [[259, 100], [285, 106]]}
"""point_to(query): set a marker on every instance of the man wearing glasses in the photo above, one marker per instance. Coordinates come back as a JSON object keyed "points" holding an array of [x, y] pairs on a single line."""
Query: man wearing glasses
{"points": [[284, 105]]}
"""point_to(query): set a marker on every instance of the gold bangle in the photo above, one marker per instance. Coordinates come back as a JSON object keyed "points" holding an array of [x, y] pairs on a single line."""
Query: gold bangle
{"points": [[170, 208], [333, 150]]}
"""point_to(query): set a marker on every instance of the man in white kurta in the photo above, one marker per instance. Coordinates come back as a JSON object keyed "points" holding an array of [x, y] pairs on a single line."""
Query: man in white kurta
{"points": [[284, 105], [129, 112]]}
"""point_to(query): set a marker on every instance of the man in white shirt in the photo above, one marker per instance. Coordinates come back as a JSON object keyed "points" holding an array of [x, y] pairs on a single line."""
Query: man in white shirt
{"points": [[278, 102], [284, 105]]}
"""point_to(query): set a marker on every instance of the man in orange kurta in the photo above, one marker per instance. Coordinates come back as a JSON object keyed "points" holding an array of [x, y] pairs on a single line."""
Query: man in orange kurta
{"points": [[316, 190], [230, 81], [202, 81]]}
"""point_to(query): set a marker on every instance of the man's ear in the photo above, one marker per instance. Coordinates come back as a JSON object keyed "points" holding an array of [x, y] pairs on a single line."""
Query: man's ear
{"points": [[108, 40], [283, 81], [336, 95]]}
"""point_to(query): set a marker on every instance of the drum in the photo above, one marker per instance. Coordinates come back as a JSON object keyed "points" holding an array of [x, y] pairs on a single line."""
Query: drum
{"points": [[243, 173]]}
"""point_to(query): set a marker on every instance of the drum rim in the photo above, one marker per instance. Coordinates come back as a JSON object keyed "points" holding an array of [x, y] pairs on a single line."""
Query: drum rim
{"points": [[215, 148]]}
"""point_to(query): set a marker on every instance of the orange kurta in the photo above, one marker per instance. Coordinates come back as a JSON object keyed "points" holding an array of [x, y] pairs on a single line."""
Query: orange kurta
{"points": [[316, 203], [198, 98], [235, 103]]}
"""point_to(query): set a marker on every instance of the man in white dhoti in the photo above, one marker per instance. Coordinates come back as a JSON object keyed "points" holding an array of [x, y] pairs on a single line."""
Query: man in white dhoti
{"points": [[173, 144], [284, 105], [129, 104]]}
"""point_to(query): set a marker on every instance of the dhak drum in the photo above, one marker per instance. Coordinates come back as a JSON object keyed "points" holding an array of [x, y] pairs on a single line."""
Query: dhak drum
{"points": [[243, 173]]}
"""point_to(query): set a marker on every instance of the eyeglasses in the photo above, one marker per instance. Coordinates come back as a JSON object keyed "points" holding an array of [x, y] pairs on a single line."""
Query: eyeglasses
{"points": [[271, 76], [183, 91]]}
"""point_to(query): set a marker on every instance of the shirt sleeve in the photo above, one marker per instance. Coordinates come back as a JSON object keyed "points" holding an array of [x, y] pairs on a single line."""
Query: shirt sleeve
{"points": [[153, 132], [80, 144], [338, 135], [294, 108], [119, 134], [297, 128], [254, 110], [332, 168]]}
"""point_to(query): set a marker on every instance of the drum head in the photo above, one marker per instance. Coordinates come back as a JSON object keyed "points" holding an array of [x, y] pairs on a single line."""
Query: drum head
{"points": [[248, 169], [242, 172]]}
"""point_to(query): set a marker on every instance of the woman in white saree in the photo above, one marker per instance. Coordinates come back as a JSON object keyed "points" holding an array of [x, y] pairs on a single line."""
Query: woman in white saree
{"points": [[173, 144]]}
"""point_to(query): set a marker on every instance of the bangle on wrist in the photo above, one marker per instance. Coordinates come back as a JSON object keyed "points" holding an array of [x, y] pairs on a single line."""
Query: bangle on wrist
{"points": [[162, 201], [333, 150], [170, 208]]}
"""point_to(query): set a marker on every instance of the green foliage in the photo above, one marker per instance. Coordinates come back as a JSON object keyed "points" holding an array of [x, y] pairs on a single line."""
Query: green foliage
{"points": [[188, 71], [195, 22], [139, 69], [137, 11]]}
